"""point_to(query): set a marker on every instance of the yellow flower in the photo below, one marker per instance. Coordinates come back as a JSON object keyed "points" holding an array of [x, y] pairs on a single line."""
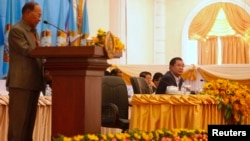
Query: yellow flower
{"points": [[126, 135], [137, 136], [78, 138], [119, 136], [247, 99], [216, 92], [236, 107], [101, 32], [225, 101], [119, 46], [185, 138], [67, 139], [104, 137], [236, 117], [222, 93], [228, 91], [99, 40], [92, 137], [110, 135], [145, 136], [232, 97], [95, 39], [242, 101]]}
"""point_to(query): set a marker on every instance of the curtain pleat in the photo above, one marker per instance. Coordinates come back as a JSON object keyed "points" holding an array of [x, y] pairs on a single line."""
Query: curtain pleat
{"points": [[234, 50], [208, 51]]}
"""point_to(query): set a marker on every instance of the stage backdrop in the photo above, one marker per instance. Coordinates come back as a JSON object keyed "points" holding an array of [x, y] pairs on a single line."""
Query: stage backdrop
{"points": [[64, 14]]}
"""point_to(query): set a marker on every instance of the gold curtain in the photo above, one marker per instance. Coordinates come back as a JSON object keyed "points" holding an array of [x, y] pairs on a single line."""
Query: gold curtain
{"points": [[207, 51], [203, 21], [126, 78], [190, 74], [234, 50], [237, 17]]}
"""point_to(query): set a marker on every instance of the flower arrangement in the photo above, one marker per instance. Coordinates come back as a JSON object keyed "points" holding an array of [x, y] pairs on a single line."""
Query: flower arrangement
{"points": [[137, 135], [99, 40], [233, 98]]}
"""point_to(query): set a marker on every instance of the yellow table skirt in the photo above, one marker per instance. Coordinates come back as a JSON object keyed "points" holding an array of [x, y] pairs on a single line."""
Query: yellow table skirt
{"points": [[151, 112], [42, 129]]}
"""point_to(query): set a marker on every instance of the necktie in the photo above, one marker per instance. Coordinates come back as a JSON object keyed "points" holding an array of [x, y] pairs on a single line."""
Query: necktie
{"points": [[34, 34]]}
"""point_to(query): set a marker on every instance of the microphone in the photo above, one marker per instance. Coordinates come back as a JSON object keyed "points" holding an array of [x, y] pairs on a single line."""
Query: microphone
{"points": [[46, 22], [202, 80]]}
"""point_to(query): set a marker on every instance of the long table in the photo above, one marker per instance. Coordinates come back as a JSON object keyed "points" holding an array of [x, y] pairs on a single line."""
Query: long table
{"points": [[151, 112]]}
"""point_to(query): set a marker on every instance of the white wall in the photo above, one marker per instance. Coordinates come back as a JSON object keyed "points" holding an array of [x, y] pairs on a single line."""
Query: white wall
{"points": [[140, 32], [98, 11]]}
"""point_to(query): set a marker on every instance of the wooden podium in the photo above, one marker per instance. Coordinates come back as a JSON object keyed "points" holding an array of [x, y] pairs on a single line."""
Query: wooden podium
{"points": [[76, 87]]}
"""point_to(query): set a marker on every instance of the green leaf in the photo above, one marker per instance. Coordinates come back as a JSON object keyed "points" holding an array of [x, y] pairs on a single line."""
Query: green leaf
{"points": [[217, 98], [225, 112], [240, 120], [229, 106], [221, 99], [229, 114], [220, 105]]}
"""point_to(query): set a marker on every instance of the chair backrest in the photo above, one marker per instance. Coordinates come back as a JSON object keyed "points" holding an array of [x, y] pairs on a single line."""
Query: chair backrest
{"points": [[114, 90], [139, 85]]}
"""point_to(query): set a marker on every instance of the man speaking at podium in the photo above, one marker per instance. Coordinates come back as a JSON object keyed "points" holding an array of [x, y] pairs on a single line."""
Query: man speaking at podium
{"points": [[25, 77]]}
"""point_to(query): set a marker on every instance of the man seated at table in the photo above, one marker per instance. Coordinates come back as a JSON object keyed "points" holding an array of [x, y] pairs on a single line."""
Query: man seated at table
{"points": [[156, 79], [148, 77], [173, 76], [116, 72]]}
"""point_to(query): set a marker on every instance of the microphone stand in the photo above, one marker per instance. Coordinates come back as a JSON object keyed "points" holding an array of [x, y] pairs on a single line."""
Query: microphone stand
{"points": [[67, 33]]}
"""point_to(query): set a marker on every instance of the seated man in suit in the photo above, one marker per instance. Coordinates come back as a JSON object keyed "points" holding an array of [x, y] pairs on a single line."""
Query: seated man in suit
{"points": [[173, 76], [148, 77]]}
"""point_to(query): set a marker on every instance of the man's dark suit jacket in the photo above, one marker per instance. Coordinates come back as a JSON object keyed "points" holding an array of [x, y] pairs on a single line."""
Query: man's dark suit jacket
{"points": [[25, 72], [167, 80]]}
